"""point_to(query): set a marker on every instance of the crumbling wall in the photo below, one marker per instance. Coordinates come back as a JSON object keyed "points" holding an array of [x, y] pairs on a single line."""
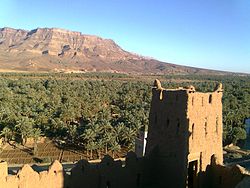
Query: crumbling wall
{"points": [[220, 176], [28, 178], [106, 174], [113, 174]]}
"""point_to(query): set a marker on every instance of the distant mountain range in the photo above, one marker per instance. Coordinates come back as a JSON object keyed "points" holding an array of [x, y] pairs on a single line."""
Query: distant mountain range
{"points": [[60, 50]]}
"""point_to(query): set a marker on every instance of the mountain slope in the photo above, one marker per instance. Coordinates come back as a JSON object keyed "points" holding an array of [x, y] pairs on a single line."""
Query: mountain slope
{"points": [[53, 49]]}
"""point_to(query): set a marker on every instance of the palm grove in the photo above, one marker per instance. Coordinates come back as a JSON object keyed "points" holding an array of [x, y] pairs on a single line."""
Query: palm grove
{"points": [[100, 115]]}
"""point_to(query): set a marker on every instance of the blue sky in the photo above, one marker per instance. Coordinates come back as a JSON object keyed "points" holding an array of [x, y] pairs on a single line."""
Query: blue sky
{"points": [[211, 34]]}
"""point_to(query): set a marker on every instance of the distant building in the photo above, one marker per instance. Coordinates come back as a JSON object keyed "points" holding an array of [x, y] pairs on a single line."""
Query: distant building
{"points": [[247, 123], [140, 143]]}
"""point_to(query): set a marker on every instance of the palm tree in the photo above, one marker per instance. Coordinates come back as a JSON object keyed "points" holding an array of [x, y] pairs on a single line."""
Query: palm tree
{"points": [[99, 146], [105, 132], [24, 127], [106, 139], [118, 132], [89, 136], [91, 146], [114, 147], [36, 135], [7, 133], [129, 135]]}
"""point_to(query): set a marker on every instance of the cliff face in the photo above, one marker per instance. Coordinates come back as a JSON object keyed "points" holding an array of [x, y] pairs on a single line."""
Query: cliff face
{"points": [[59, 42], [53, 49]]}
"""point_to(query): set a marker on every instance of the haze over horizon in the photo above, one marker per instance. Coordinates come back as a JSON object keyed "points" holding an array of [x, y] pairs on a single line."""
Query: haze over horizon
{"points": [[213, 35]]}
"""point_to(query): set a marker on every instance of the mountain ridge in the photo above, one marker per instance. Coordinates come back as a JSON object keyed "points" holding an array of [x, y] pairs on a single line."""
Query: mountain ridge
{"points": [[61, 50]]}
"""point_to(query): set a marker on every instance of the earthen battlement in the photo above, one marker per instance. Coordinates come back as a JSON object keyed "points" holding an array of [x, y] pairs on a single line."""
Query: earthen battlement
{"points": [[186, 127], [105, 174], [163, 93]]}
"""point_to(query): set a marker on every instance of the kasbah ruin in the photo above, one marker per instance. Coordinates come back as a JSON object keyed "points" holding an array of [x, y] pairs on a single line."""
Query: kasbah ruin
{"points": [[184, 149]]}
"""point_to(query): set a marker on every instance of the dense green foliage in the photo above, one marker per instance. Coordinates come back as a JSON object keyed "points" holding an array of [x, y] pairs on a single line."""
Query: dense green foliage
{"points": [[101, 115], [96, 114]]}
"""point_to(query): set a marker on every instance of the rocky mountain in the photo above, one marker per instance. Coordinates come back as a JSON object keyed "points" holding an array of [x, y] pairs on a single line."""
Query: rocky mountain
{"points": [[60, 50]]}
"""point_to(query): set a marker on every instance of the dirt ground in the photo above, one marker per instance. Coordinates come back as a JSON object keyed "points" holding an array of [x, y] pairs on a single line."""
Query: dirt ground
{"points": [[47, 152]]}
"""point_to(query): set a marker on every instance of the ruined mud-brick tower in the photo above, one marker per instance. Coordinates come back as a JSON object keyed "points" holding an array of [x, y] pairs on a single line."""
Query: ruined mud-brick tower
{"points": [[185, 131]]}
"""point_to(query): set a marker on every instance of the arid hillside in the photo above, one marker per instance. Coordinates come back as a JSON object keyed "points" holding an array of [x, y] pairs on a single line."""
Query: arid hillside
{"points": [[59, 50]]}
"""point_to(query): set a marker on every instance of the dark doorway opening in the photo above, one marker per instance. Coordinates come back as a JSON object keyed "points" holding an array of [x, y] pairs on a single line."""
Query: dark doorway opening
{"points": [[192, 173]]}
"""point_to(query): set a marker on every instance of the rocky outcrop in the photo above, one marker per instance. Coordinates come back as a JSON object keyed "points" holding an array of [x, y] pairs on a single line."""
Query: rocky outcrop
{"points": [[59, 42], [53, 49]]}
